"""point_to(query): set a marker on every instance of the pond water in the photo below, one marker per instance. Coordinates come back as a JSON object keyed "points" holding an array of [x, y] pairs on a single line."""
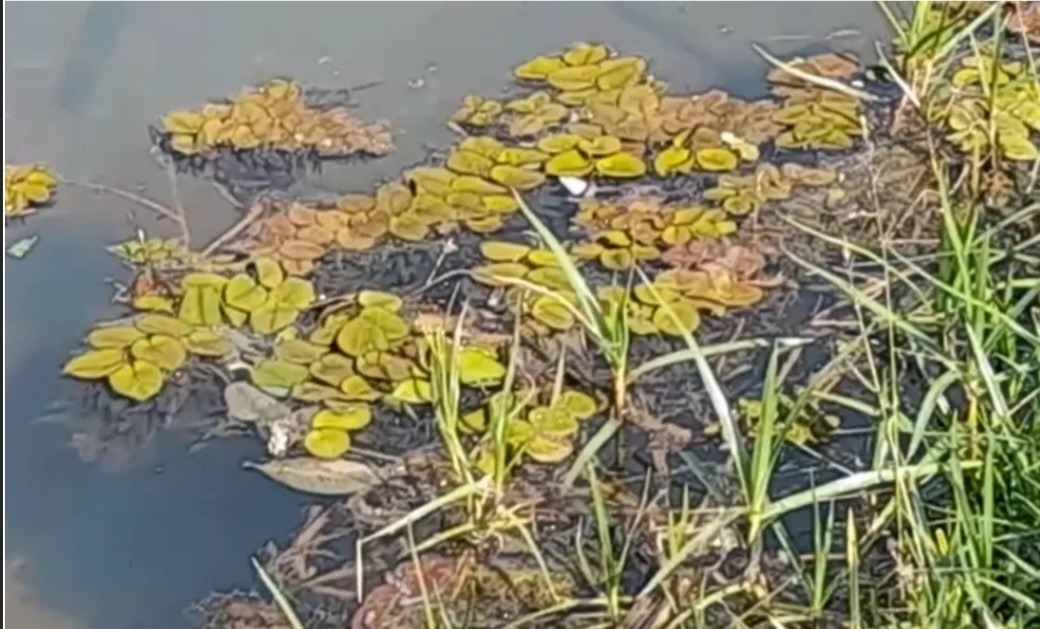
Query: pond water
{"points": [[132, 549]]}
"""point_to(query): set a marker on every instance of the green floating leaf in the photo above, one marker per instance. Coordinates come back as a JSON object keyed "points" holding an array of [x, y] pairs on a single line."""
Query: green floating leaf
{"points": [[354, 417], [555, 423], [272, 317], [244, 293], [162, 324], [300, 352], [479, 367], [374, 330], [201, 306], [138, 380], [313, 392], [357, 388], [576, 403], [546, 450], [207, 343], [278, 374], [164, 351], [413, 391], [114, 337], [327, 443], [95, 365]]}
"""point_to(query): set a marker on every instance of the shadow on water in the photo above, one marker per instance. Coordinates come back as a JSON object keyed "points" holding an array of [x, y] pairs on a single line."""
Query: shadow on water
{"points": [[131, 550]]}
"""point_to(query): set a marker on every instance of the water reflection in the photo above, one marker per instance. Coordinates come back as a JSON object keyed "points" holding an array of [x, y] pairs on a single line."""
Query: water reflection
{"points": [[21, 609]]}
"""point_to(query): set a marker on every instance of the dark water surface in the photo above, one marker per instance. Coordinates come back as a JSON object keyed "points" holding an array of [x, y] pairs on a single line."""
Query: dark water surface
{"points": [[83, 81]]}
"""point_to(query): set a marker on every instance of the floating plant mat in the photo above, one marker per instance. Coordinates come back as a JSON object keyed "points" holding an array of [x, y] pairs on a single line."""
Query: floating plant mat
{"points": [[26, 189], [316, 320], [264, 137]]}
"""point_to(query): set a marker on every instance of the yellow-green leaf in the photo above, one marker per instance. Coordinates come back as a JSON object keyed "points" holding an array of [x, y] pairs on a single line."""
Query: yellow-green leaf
{"points": [[570, 163], [576, 403], [269, 272], [114, 337], [293, 293], [243, 292], [413, 391], [550, 311], [682, 319], [479, 366], [621, 166], [357, 388], [498, 273], [138, 380], [332, 369], [716, 159], [547, 450], [515, 177], [355, 417], [310, 391], [162, 324], [200, 306], [278, 374], [326, 443], [553, 422], [300, 351], [674, 159], [501, 251], [272, 317], [207, 343], [153, 303], [379, 299], [164, 351], [95, 364]]}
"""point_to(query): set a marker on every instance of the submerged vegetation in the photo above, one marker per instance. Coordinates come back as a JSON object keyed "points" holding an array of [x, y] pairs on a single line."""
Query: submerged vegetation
{"points": [[772, 363]]}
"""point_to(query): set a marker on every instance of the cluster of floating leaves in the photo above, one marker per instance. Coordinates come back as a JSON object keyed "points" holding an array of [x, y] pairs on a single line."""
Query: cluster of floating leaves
{"points": [[351, 360], [518, 266], [628, 232], [26, 188], [589, 112], [544, 433], [274, 115], [1013, 110], [137, 357], [741, 195], [809, 427], [814, 117]]}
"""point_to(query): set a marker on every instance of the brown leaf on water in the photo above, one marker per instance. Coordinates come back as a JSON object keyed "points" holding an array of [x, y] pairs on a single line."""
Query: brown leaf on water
{"points": [[333, 477], [246, 403]]}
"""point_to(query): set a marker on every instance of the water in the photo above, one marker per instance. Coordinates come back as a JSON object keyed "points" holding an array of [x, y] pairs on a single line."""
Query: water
{"points": [[84, 80]]}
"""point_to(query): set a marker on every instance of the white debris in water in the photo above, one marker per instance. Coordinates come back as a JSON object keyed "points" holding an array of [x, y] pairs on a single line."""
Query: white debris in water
{"points": [[281, 435], [574, 185]]}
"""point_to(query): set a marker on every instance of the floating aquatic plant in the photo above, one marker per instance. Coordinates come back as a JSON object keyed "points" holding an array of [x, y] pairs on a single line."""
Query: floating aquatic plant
{"points": [[544, 433], [26, 188], [533, 113], [574, 155], [477, 111], [329, 434], [137, 357], [276, 115]]}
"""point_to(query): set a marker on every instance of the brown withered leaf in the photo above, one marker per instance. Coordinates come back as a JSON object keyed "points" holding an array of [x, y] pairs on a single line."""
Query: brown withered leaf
{"points": [[335, 477]]}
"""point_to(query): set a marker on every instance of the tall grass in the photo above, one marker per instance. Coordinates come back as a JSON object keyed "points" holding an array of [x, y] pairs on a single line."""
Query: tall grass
{"points": [[969, 558]]}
